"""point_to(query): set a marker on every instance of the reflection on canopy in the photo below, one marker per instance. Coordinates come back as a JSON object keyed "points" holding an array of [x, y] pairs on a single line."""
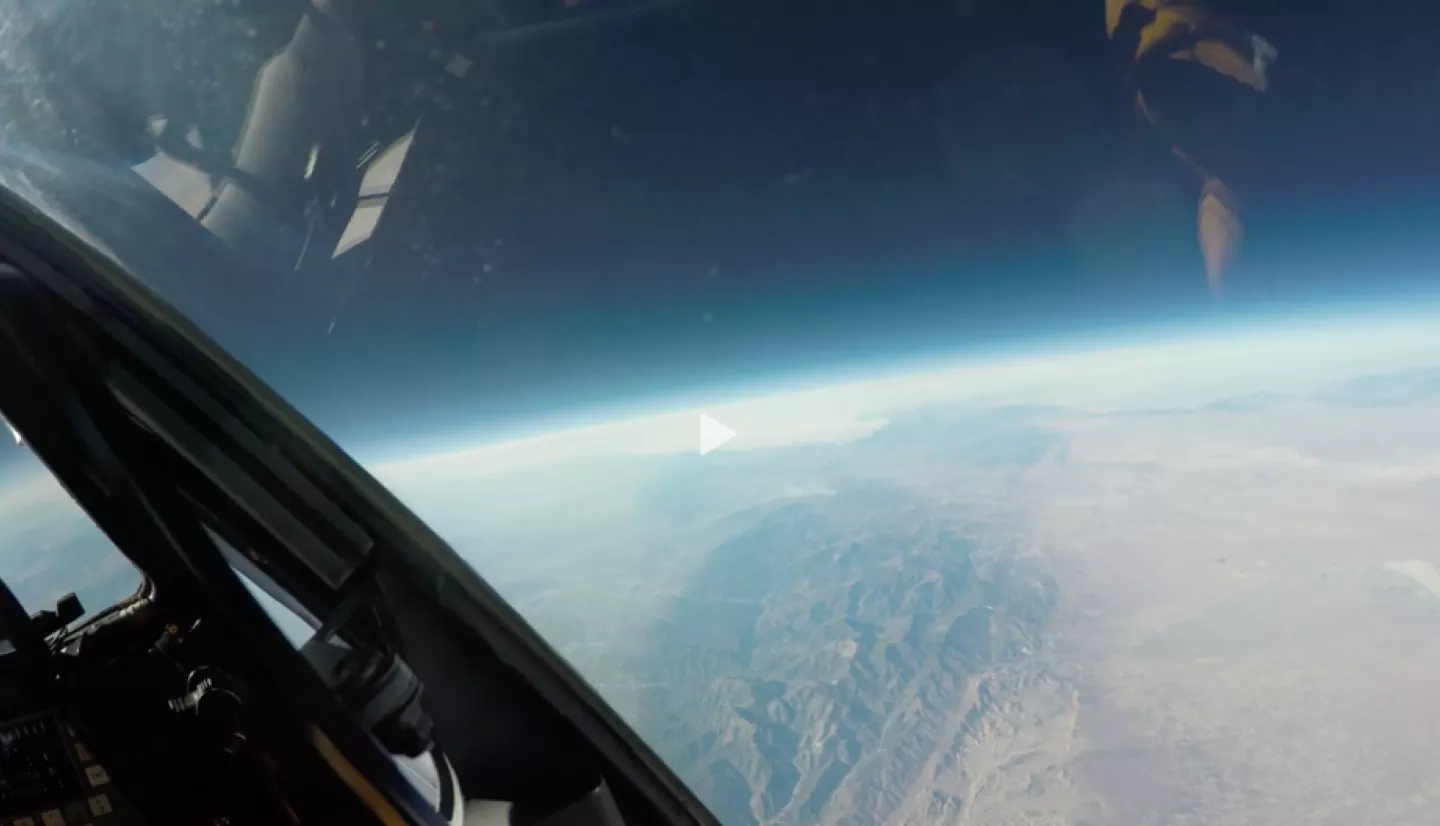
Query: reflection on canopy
{"points": [[1154, 33]]}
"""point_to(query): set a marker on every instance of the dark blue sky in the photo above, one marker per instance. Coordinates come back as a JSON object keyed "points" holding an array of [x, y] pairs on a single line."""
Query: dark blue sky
{"points": [[709, 193]]}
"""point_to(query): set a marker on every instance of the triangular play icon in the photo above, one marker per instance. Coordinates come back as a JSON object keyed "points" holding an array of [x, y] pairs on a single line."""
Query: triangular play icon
{"points": [[713, 434]]}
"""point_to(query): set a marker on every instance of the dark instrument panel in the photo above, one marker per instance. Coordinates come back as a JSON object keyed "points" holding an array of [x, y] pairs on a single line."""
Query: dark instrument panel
{"points": [[36, 771], [49, 778]]}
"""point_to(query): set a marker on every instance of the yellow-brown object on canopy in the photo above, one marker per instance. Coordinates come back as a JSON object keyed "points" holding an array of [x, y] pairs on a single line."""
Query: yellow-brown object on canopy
{"points": [[1190, 30], [1219, 229]]}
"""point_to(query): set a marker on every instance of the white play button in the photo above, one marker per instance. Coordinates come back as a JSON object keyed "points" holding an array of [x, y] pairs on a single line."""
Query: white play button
{"points": [[713, 434]]}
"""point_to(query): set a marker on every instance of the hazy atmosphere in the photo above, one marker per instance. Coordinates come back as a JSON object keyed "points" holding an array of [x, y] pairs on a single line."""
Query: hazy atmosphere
{"points": [[1034, 592], [1082, 360]]}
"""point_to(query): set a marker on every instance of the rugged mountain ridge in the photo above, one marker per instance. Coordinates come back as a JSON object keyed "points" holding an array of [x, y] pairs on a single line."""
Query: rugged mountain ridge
{"points": [[825, 663]]}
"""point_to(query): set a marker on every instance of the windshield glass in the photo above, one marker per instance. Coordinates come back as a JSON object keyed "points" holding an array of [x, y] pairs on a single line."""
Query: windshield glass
{"points": [[48, 546], [966, 411]]}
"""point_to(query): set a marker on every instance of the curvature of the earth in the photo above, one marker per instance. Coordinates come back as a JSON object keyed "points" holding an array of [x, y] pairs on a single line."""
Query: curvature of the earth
{"points": [[1192, 582]]}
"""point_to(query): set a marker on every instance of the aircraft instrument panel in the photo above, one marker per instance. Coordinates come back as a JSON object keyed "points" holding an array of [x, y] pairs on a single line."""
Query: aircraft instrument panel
{"points": [[47, 778]]}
